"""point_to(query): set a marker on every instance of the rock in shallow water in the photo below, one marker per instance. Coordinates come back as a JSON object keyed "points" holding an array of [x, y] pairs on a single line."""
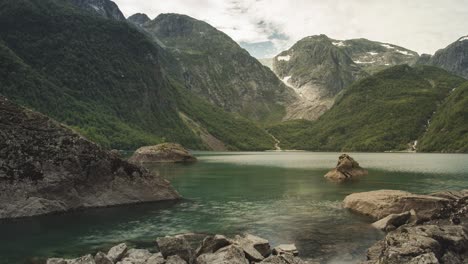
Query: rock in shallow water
{"points": [[162, 153], [346, 169], [45, 167], [379, 204]]}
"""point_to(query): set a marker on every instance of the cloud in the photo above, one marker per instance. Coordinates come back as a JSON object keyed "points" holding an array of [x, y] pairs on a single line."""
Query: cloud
{"points": [[420, 25]]}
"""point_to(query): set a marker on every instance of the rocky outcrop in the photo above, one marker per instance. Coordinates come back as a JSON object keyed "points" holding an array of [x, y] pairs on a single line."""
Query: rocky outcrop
{"points": [[178, 250], [379, 204], [45, 167], [162, 153], [346, 169], [139, 19]]}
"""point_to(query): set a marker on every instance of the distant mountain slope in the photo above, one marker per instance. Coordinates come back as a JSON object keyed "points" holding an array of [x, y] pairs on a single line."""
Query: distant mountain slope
{"points": [[107, 80], [219, 70], [383, 112], [453, 58], [318, 70], [448, 129], [105, 8]]}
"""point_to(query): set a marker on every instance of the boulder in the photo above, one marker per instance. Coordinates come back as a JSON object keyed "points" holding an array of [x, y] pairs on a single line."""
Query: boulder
{"points": [[137, 256], [255, 248], [392, 221], [227, 255], [46, 167], [211, 244], [116, 253], [379, 204], [420, 244], [162, 153], [101, 258], [285, 249], [156, 259], [175, 260], [346, 169], [88, 259], [175, 246]]}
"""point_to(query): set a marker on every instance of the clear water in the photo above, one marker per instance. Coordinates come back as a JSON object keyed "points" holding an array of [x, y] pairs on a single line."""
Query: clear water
{"points": [[281, 196]]}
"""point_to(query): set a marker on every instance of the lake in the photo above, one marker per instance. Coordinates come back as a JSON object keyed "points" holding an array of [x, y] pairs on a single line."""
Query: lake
{"points": [[281, 196]]}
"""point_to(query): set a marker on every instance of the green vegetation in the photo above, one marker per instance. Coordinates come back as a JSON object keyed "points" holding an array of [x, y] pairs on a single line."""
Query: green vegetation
{"points": [[448, 129], [103, 78], [383, 112]]}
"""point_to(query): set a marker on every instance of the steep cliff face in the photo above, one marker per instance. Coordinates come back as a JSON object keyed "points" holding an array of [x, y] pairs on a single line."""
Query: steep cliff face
{"points": [[453, 58], [216, 68], [45, 168], [318, 70], [105, 8]]}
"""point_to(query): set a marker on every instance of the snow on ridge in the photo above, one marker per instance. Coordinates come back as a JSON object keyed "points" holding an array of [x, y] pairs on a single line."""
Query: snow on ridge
{"points": [[464, 38], [387, 46], [404, 52], [372, 53], [284, 58], [339, 44]]}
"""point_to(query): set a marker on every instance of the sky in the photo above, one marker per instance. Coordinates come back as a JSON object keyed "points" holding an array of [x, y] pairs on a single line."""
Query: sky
{"points": [[267, 27]]}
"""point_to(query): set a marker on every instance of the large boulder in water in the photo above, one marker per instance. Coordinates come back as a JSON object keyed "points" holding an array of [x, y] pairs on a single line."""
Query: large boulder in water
{"points": [[346, 169], [166, 152], [45, 167], [379, 204]]}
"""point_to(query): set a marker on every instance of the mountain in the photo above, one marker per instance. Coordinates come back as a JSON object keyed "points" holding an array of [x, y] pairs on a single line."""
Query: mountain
{"points": [[374, 56], [318, 70], [105, 8], [47, 168], [216, 68], [448, 128], [453, 58], [383, 112], [107, 80]]}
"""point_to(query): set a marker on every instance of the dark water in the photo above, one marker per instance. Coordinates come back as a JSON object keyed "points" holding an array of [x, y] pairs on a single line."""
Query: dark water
{"points": [[280, 196]]}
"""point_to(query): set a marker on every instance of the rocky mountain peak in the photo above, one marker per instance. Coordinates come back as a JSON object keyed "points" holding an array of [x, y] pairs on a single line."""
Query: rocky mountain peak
{"points": [[105, 8], [139, 19]]}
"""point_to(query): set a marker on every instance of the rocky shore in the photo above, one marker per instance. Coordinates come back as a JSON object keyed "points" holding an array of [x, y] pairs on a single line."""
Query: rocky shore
{"points": [[195, 249], [162, 153], [46, 168]]}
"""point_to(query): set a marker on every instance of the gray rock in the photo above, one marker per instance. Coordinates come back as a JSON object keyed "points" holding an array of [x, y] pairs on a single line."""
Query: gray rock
{"points": [[56, 261], [255, 248], [175, 260], [212, 244], [45, 167], [88, 259], [156, 259], [227, 255], [175, 245], [138, 255], [285, 249], [162, 153], [346, 169], [379, 204], [392, 221], [116, 253], [101, 258], [284, 259], [417, 244]]}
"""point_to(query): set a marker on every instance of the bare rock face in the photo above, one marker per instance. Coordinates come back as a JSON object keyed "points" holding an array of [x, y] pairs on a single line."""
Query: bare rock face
{"points": [[45, 167], [346, 169], [162, 153], [379, 204]]}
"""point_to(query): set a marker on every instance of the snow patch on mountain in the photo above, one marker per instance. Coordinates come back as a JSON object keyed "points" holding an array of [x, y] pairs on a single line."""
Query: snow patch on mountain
{"points": [[284, 58], [387, 46], [404, 52], [372, 53], [363, 62], [95, 7], [339, 44]]}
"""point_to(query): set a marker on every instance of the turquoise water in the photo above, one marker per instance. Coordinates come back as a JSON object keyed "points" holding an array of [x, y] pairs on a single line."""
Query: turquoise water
{"points": [[281, 196]]}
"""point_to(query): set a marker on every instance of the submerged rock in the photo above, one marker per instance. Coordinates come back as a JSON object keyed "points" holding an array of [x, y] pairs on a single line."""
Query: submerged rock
{"points": [[45, 167], [379, 204], [162, 153], [346, 169]]}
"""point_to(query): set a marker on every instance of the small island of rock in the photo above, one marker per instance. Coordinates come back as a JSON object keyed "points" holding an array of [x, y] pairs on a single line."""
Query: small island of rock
{"points": [[346, 169], [162, 153]]}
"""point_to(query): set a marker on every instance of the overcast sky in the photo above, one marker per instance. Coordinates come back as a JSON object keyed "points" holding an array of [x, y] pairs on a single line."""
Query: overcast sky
{"points": [[420, 25]]}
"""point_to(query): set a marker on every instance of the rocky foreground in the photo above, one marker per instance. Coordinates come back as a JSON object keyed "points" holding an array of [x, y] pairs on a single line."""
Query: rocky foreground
{"points": [[45, 168], [422, 229], [194, 249]]}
